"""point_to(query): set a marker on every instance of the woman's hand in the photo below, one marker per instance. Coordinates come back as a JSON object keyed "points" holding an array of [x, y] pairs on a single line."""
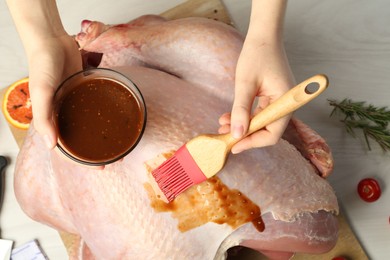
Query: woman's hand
{"points": [[52, 56], [265, 78], [263, 74], [50, 62]]}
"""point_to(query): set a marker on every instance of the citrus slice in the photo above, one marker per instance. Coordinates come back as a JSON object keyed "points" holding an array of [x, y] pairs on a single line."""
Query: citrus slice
{"points": [[17, 104]]}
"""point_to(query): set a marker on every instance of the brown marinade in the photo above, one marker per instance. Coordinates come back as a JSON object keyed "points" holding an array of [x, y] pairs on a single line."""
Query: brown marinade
{"points": [[99, 120]]}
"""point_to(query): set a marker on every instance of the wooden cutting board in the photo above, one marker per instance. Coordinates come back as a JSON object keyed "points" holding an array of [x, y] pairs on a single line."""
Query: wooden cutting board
{"points": [[347, 245]]}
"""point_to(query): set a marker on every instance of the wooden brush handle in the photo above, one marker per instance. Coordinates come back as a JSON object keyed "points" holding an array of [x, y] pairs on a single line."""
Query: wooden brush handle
{"points": [[286, 104]]}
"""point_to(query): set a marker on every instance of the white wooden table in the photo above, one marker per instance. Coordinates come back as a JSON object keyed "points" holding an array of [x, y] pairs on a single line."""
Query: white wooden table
{"points": [[347, 40]]}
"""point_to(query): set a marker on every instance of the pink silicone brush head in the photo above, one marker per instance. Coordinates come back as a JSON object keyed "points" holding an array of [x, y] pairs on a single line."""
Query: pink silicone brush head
{"points": [[177, 174]]}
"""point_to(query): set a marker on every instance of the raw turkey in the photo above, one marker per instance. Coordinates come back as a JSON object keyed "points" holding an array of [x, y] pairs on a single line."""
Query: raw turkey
{"points": [[274, 199]]}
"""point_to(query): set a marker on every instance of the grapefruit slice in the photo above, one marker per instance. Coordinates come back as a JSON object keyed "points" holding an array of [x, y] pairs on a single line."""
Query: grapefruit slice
{"points": [[17, 104]]}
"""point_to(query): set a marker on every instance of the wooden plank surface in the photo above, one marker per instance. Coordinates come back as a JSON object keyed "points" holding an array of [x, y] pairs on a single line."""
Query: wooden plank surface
{"points": [[347, 245]]}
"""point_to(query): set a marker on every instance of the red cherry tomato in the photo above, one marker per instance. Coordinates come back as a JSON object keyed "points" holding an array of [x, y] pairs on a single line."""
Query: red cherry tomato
{"points": [[369, 190], [339, 258]]}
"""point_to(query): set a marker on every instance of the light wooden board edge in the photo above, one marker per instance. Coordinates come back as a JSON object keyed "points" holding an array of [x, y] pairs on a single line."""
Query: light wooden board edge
{"points": [[347, 245]]}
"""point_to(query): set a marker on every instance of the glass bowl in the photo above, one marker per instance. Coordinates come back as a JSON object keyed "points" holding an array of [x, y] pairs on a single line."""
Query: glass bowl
{"points": [[100, 116]]}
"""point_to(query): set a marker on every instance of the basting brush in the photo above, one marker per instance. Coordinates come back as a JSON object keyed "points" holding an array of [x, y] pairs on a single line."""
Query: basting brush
{"points": [[205, 155]]}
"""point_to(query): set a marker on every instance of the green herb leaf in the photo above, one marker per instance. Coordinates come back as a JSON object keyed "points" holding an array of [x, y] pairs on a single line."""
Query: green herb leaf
{"points": [[371, 120]]}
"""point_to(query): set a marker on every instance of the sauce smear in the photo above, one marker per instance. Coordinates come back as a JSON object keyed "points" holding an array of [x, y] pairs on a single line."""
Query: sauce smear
{"points": [[99, 120], [209, 201]]}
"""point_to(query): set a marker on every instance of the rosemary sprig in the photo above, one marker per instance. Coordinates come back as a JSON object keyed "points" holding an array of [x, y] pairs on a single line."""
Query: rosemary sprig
{"points": [[371, 120]]}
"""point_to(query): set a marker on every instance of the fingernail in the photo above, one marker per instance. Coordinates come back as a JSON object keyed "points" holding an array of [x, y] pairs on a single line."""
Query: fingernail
{"points": [[47, 141], [236, 151], [237, 131]]}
